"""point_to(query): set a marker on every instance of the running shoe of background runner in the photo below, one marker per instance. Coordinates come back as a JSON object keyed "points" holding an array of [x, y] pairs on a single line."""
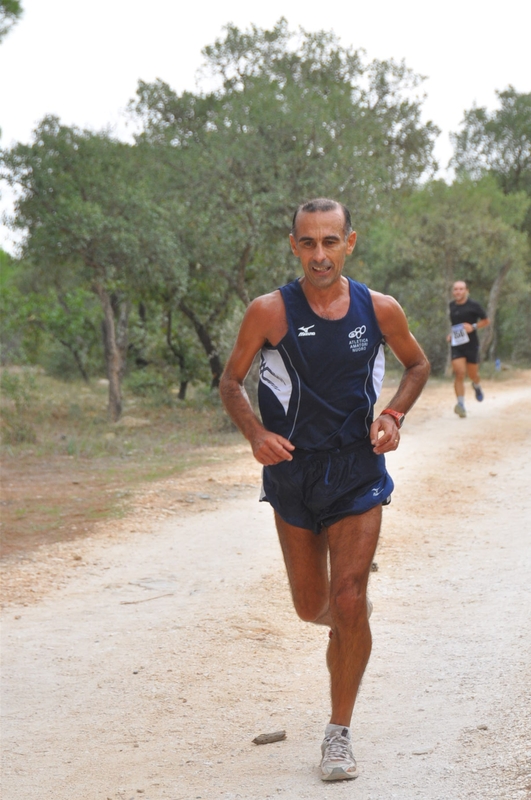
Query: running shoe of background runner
{"points": [[338, 762], [479, 393], [459, 410]]}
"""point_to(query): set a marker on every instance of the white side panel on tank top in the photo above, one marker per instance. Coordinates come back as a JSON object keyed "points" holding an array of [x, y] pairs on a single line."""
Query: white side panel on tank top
{"points": [[378, 371], [275, 376]]}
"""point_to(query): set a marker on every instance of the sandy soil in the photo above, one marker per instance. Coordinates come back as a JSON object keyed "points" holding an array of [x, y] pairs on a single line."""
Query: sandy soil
{"points": [[143, 661]]}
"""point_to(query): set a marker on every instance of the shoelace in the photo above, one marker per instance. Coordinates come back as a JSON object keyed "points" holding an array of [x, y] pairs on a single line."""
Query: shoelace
{"points": [[338, 748]]}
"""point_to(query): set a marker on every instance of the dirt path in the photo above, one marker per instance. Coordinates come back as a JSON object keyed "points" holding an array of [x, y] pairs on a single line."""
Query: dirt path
{"points": [[148, 657]]}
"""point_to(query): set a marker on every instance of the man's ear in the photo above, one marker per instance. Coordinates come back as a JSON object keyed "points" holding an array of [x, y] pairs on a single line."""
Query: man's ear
{"points": [[293, 243], [351, 241]]}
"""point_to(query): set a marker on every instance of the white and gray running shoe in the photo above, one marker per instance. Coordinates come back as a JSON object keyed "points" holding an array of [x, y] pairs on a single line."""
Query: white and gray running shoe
{"points": [[338, 762]]}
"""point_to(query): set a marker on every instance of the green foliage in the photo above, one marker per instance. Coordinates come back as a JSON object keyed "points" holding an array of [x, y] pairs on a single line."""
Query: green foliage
{"points": [[498, 143], [294, 115], [89, 216], [10, 12], [57, 329], [163, 244], [92, 223], [442, 234], [19, 397], [147, 383]]}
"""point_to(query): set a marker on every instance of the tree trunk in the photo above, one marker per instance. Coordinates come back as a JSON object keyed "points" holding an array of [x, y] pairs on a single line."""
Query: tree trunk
{"points": [[113, 358], [122, 333], [216, 367], [177, 352], [77, 359], [492, 308]]}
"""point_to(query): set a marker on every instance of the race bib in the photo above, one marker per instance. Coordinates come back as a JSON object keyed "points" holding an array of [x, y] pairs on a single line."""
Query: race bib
{"points": [[459, 335]]}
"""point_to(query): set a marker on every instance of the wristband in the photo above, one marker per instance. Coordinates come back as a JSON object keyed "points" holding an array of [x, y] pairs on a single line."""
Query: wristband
{"points": [[396, 415]]}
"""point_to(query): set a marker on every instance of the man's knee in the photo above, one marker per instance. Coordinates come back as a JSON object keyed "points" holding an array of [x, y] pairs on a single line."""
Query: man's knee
{"points": [[349, 603]]}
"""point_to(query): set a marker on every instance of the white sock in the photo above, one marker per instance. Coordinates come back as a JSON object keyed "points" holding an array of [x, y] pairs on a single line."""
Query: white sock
{"points": [[331, 728], [461, 400]]}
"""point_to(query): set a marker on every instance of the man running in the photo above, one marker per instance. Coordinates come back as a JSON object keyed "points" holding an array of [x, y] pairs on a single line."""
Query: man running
{"points": [[321, 341], [466, 317]]}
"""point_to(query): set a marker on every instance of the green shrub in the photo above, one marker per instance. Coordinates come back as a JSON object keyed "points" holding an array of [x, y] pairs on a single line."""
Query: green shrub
{"points": [[19, 395]]}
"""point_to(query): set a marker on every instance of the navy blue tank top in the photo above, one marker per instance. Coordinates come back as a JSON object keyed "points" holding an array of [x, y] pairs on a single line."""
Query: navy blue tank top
{"points": [[318, 386]]}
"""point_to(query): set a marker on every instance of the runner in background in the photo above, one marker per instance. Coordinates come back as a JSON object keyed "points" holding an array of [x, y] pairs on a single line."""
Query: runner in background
{"points": [[466, 317]]}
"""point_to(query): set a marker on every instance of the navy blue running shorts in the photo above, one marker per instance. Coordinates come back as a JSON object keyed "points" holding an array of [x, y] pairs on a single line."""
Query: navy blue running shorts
{"points": [[469, 351], [318, 489]]}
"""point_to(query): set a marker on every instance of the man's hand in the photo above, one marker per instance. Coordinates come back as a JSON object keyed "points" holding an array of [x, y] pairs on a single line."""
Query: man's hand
{"points": [[385, 436], [271, 448]]}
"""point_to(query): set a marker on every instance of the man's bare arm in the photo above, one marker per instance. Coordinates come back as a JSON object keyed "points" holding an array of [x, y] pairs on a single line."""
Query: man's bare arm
{"points": [[394, 326], [260, 320]]}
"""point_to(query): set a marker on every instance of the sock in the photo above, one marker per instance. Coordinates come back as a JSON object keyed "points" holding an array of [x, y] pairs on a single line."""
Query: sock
{"points": [[475, 385], [331, 728], [461, 400]]}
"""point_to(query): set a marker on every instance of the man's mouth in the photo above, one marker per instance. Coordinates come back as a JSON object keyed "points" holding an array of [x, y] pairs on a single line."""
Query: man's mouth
{"points": [[321, 267]]}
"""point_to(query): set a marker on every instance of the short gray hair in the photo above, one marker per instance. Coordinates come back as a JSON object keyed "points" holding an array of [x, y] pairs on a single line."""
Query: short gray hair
{"points": [[322, 204]]}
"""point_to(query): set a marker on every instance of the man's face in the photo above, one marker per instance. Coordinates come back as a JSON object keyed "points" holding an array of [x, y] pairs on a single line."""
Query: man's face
{"points": [[460, 292], [320, 243]]}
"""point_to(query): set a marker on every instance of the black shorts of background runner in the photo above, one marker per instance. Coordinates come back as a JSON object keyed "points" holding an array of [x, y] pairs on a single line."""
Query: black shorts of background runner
{"points": [[318, 489], [470, 351]]}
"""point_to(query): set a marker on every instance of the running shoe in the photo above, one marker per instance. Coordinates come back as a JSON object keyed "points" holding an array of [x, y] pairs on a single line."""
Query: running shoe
{"points": [[460, 410], [479, 393], [338, 762]]}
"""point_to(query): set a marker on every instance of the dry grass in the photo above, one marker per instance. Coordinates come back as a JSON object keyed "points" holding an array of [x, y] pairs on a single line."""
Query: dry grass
{"points": [[65, 467]]}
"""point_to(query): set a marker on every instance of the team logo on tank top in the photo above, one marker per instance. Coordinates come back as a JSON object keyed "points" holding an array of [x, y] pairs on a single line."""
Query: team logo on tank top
{"points": [[357, 341], [305, 330]]}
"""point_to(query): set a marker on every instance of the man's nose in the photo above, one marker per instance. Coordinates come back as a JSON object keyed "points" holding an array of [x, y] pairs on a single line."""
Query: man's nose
{"points": [[319, 254]]}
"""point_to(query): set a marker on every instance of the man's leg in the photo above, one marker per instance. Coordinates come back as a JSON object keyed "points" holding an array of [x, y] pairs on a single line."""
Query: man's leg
{"points": [[459, 369], [340, 602], [473, 374], [306, 558], [352, 543]]}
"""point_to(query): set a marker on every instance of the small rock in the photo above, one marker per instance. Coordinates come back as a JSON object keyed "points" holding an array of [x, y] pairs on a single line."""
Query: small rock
{"points": [[483, 727], [268, 738], [374, 567]]}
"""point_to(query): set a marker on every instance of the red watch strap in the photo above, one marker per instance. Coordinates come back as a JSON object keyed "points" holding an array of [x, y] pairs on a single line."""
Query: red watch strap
{"points": [[398, 416]]}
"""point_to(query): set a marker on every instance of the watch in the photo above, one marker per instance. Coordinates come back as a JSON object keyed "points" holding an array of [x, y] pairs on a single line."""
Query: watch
{"points": [[396, 415]]}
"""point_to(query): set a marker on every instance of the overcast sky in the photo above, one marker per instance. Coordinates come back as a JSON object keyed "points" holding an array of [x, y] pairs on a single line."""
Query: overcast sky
{"points": [[81, 61]]}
